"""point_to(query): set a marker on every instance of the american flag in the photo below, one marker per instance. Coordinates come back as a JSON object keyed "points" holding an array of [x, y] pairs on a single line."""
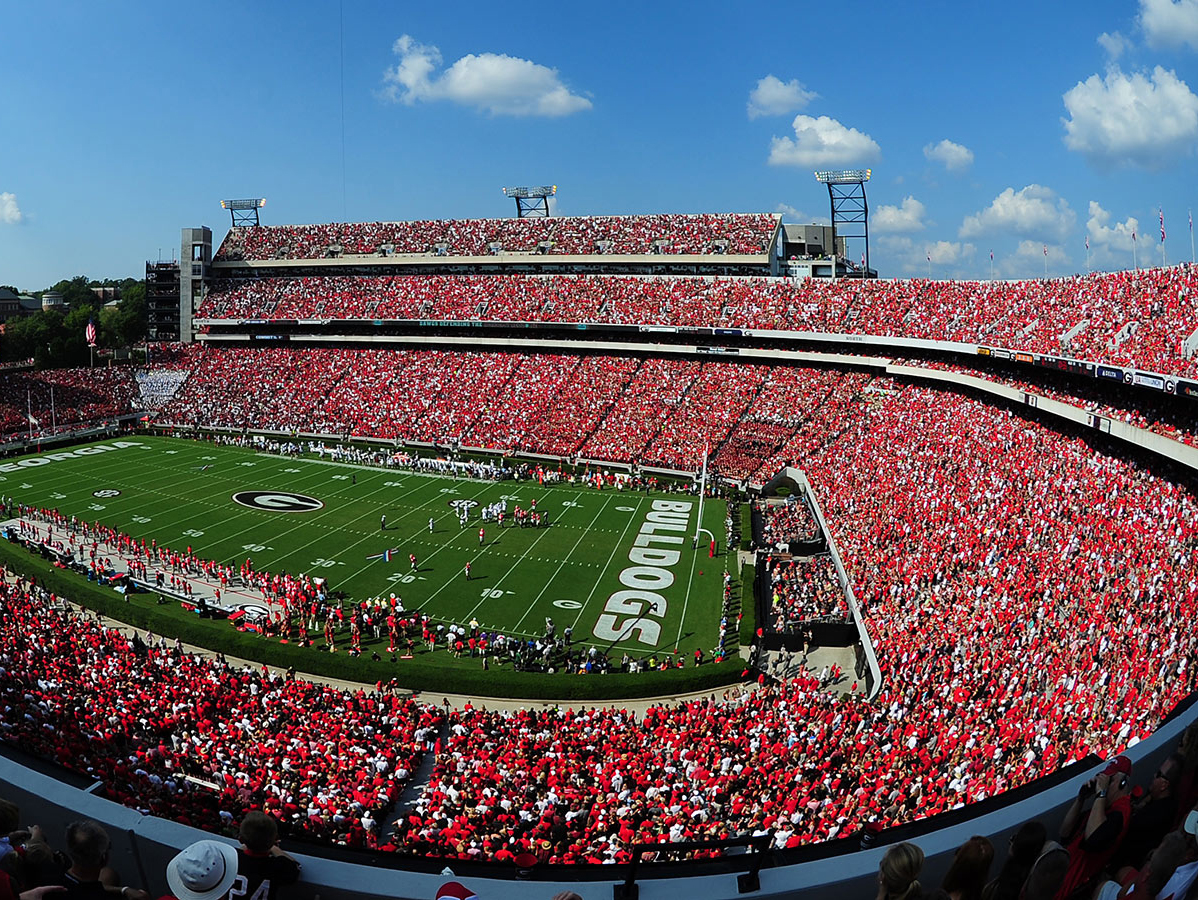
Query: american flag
{"points": [[90, 333], [1162, 212]]}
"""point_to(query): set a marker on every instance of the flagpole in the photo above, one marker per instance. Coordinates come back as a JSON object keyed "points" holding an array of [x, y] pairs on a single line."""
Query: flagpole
{"points": [[1135, 259], [1191, 237], [29, 410], [1161, 210], [53, 414], [702, 491]]}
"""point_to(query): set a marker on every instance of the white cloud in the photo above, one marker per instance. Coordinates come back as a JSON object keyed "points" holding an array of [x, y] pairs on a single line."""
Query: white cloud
{"points": [[1135, 119], [900, 253], [947, 253], [822, 142], [1034, 211], [1110, 243], [773, 97], [10, 213], [499, 84], [895, 219], [953, 156], [1038, 251], [1102, 233], [1115, 44], [1028, 261], [1170, 23], [798, 217]]}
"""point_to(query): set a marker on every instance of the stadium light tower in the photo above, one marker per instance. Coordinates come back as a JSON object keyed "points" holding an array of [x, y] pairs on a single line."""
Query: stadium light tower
{"points": [[531, 201], [846, 192], [244, 212]]}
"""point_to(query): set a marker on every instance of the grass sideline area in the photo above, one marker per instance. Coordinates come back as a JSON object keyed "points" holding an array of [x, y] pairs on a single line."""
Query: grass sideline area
{"points": [[179, 490]]}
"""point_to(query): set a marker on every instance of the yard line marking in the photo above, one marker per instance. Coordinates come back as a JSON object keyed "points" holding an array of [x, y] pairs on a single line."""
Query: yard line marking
{"points": [[687, 599], [390, 581], [615, 549], [503, 577], [558, 570]]}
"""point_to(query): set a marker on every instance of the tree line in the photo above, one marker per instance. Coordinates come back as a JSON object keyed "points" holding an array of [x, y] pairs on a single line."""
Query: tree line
{"points": [[55, 337]]}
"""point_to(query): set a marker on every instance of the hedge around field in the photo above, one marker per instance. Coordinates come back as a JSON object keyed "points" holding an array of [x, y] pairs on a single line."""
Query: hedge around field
{"points": [[449, 676]]}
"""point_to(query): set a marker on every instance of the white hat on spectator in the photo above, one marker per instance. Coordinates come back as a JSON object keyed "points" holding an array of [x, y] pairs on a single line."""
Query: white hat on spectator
{"points": [[204, 871]]}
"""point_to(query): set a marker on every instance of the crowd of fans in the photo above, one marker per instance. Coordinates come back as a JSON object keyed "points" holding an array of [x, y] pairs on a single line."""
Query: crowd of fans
{"points": [[661, 412], [1139, 319], [1030, 602], [40, 404], [734, 233], [197, 740], [791, 521], [1142, 407], [802, 590], [942, 554]]}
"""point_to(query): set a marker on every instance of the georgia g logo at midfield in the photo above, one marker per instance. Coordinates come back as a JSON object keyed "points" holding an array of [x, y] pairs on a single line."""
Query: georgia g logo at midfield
{"points": [[277, 501]]}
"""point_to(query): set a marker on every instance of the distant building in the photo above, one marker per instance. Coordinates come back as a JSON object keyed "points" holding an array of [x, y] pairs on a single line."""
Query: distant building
{"points": [[10, 305]]}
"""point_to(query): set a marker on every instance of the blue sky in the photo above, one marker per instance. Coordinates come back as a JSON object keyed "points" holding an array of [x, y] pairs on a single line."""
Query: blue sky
{"points": [[989, 127]]}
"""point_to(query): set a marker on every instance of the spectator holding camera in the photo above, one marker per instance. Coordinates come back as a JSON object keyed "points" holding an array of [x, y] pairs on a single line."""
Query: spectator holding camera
{"points": [[1095, 825]]}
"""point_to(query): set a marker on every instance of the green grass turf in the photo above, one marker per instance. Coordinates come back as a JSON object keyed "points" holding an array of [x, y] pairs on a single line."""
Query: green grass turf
{"points": [[567, 570]]}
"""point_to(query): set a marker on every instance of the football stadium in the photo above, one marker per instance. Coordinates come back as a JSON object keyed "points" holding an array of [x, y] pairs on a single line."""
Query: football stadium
{"points": [[626, 555], [766, 584]]}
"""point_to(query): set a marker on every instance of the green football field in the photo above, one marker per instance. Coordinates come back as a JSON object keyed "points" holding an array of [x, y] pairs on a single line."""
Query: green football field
{"points": [[616, 566]]}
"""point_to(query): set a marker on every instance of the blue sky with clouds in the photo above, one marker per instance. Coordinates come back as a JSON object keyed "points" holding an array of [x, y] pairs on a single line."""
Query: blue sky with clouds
{"points": [[989, 127]]}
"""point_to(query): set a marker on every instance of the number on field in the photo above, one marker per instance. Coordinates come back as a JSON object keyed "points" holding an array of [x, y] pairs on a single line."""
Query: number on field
{"points": [[26, 486], [58, 496], [191, 532], [449, 490], [292, 471], [170, 452], [253, 548], [625, 509], [569, 503], [403, 577], [492, 594], [97, 506], [323, 563], [392, 484], [511, 498], [207, 458], [247, 464], [141, 520]]}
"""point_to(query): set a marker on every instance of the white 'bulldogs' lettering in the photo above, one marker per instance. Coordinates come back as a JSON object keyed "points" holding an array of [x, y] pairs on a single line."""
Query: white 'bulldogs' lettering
{"points": [[648, 574]]}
